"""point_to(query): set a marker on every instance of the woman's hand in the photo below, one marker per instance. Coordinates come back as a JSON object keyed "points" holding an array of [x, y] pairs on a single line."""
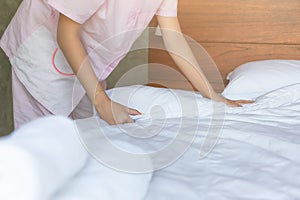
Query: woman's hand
{"points": [[232, 103], [115, 113]]}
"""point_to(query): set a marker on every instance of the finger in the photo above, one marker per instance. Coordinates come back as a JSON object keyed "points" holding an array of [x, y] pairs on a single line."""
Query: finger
{"points": [[129, 120], [133, 112], [123, 120], [244, 101], [234, 104], [237, 105], [111, 122]]}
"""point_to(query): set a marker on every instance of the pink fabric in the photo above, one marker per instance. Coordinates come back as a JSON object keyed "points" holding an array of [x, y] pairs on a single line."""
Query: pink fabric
{"points": [[105, 25], [26, 108], [109, 28], [78, 10]]}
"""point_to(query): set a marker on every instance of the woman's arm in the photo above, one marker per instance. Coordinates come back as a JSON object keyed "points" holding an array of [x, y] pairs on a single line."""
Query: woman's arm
{"points": [[183, 56], [68, 38]]}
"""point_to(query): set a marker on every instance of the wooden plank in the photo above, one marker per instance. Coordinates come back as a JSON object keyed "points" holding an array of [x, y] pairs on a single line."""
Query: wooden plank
{"points": [[178, 84], [232, 32], [184, 85], [225, 56], [240, 21], [229, 56]]}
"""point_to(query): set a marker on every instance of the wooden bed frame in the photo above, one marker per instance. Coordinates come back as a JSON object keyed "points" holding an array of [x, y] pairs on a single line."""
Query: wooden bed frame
{"points": [[232, 32]]}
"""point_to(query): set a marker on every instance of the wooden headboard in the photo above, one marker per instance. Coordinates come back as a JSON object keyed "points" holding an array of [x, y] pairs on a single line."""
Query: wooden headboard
{"points": [[232, 32]]}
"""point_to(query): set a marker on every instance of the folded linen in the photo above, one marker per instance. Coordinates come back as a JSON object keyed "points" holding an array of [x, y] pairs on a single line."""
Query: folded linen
{"points": [[97, 181], [46, 160], [39, 158]]}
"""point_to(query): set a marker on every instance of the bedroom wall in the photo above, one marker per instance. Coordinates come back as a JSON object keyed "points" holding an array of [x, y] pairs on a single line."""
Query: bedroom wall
{"points": [[7, 10], [132, 70]]}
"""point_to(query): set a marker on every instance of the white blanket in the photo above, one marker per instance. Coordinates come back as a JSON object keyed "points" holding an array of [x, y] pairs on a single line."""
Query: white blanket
{"points": [[46, 160], [34, 161], [219, 153]]}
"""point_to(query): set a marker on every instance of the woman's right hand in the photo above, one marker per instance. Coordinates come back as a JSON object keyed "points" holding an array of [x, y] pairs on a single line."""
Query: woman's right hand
{"points": [[231, 103], [115, 113]]}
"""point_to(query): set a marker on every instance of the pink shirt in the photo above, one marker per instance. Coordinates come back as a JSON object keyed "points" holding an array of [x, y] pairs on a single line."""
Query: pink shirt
{"points": [[109, 28], [106, 25]]}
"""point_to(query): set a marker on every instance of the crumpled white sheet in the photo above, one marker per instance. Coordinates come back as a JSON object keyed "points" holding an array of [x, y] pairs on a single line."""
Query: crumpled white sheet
{"points": [[251, 152], [248, 161]]}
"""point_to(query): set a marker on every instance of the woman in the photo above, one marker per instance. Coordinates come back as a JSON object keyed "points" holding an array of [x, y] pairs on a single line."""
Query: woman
{"points": [[93, 36]]}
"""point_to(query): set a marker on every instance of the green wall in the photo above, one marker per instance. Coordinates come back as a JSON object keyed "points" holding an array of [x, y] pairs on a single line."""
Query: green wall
{"points": [[122, 75], [7, 10]]}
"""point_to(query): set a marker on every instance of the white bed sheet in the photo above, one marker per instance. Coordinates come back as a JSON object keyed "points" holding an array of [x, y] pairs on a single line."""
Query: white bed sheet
{"points": [[255, 156], [250, 161]]}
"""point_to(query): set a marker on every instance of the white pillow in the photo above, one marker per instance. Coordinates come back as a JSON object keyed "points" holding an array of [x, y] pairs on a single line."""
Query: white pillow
{"points": [[253, 79]]}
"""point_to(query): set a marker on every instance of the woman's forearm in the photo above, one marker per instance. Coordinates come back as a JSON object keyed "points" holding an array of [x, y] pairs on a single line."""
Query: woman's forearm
{"points": [[183, 56], [68, 38], [185, 60]]}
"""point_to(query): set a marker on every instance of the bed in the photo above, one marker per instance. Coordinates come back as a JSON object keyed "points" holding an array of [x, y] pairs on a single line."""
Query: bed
{"points": [[183, 146]]}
